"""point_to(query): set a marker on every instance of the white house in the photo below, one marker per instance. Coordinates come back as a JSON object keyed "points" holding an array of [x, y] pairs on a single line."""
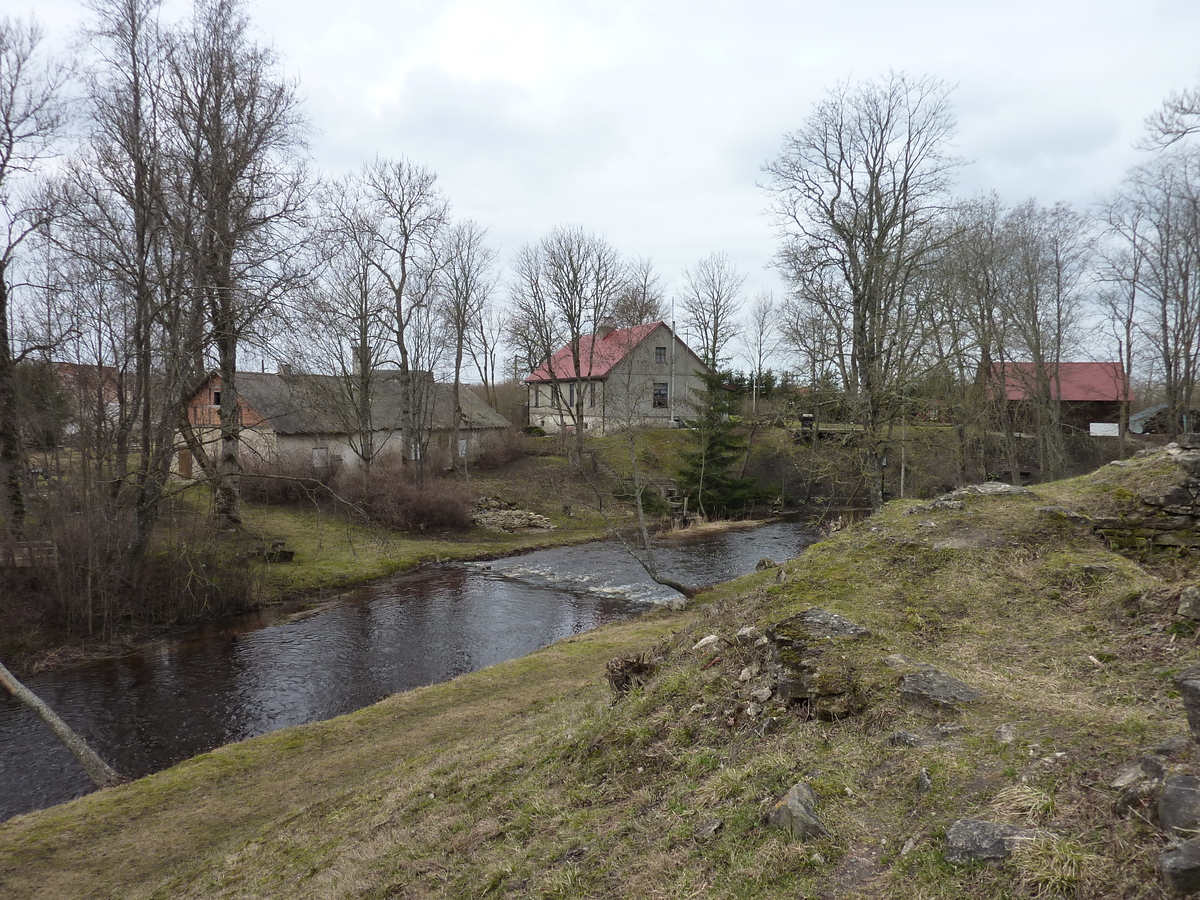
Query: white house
{"points": [[644, 375]]}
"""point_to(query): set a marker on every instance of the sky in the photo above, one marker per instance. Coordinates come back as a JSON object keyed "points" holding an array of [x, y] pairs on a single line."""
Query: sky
{"points": [[648, 121]]}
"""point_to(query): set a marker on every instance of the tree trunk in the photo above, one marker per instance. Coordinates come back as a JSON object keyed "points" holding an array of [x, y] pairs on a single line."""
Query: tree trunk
{"points": [[10, 435], [101, 773]]}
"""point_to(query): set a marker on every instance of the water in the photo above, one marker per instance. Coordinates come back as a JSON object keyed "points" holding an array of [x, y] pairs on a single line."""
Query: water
{"points": [[256, 673]]}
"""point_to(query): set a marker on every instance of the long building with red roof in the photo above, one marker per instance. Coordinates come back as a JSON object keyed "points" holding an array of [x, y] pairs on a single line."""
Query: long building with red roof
{"points": [[617, 377]]}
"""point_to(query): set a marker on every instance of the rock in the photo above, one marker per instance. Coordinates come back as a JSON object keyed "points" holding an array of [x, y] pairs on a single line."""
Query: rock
{"points": [[1179, 805], [1189, 603], [924, 782], [1188, 682], [972, 840], [709, 828], [1174, 746], [748, 634], [1146, 769], [1005, 734], [987, 489], [745, 675], [1138, 785], [705, 642], [936, 689], [761, 696], [496, 516], [1061, 512], [905, 739], [1189, 441], [821, 623], [810, 662], [1179, 866], [796, 813], [765, 563]]}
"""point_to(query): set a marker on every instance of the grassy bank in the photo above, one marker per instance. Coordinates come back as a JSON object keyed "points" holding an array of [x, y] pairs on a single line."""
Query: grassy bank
{"points": [[529, 779]]}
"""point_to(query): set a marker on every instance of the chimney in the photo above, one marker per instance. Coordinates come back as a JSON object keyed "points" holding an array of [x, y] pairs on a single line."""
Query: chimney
{"points": [[606, 327]]}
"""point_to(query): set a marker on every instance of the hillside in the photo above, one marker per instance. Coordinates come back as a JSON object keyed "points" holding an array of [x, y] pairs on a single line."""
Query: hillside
{"points": [[991, 656]]}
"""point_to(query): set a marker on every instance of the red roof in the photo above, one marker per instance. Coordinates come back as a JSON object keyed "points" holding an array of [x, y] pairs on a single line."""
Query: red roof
{"points": [[1078, 381], [596, 356]]}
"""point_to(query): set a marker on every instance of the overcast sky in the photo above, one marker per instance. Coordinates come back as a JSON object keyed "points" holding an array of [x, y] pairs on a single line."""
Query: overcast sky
{"points": [[648, 121]]}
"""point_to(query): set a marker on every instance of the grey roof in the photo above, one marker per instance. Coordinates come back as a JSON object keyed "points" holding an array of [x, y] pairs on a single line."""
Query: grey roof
{"points": [[322, 404]]}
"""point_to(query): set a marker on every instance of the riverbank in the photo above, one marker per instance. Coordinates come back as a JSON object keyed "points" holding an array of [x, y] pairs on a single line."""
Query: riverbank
{"points": [[333, 554], [531, 779]]}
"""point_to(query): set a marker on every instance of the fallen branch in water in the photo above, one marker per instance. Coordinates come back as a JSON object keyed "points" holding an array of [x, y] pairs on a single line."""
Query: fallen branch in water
{"points": [[98, 770]]}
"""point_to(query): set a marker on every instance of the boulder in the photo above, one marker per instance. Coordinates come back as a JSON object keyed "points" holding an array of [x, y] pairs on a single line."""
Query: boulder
{"points": [[796, 813], [973, 840], [933, 688], [810, 662], [1188, 682], [765, 563], [1179, 805], [1189, 603], [1139, 785], [1179, 866]]}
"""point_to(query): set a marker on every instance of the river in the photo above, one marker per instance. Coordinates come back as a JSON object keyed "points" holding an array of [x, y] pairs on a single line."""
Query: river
{"points": [[253, 674]]}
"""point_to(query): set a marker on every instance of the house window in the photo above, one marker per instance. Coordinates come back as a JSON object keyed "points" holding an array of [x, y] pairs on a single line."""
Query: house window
{"points": [[592, 394], [216, 397], [537, 397], [660, 395], [571, 394], [660, 355], [320, 457]]}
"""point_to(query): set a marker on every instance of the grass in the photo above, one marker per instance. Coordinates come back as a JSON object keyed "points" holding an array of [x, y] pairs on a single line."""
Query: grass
{"points": [[529, 780]]}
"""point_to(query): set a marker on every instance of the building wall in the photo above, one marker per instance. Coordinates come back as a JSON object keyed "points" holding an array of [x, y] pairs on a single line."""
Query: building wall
{"points": [[627, 396]]}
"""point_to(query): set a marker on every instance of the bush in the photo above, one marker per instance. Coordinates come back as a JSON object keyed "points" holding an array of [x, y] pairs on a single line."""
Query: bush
{"points": [[389, 497], [286, 479], [94, 589], [499, 449]]}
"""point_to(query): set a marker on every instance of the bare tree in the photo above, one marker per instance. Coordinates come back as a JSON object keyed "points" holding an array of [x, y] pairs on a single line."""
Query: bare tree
{"points": [[762, 339], [642, 299], [339, 320], [407, 218], [31, 118], [467, 281], [1178, 117], [563, 289], [112, 235], [239, 136], [1154, 222], [857, 191], [711, 299]]}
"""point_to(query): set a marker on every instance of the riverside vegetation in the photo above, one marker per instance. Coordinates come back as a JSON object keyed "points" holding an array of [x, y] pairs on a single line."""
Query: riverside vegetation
{"points": [[535, 779]]}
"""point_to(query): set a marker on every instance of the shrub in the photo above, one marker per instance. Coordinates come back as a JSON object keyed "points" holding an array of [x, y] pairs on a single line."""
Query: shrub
{"points": [[501, 448], [389, 497], [285, 479]]}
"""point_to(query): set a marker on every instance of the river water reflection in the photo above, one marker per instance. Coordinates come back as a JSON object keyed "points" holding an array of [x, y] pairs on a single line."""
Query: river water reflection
{"points": [[256, 673]]}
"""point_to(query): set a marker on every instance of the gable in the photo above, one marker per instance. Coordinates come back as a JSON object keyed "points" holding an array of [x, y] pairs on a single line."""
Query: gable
{"points": [[598, 357]]}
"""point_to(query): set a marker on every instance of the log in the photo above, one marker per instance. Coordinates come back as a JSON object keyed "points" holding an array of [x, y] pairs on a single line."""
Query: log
{"points": [[101, 773]]}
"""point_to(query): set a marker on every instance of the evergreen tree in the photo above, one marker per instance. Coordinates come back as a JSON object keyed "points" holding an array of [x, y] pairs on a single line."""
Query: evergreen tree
{"points": [[706, 476]]}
